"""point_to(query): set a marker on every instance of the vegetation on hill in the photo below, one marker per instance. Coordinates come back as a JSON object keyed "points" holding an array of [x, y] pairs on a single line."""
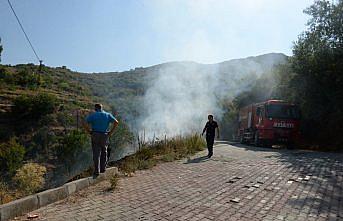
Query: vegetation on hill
{"points": [[41, 110]]}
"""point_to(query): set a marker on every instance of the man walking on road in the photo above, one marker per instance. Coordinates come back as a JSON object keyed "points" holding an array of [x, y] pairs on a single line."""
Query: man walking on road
{"points": [[210, 127], [100, 121]]}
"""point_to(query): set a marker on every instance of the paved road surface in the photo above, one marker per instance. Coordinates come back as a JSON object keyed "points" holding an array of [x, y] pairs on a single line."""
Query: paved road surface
{"points": [[238, 183]]}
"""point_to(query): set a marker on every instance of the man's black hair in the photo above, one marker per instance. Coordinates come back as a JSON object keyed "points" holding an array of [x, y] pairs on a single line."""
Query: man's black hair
{"points": [[98, 106]]}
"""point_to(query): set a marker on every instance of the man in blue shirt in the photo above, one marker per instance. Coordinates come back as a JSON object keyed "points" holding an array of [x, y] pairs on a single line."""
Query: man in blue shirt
{"points": [[100, 121]]}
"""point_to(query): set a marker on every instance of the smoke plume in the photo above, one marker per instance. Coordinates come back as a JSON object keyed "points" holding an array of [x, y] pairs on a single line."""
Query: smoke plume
{"points": [[182, 94]]}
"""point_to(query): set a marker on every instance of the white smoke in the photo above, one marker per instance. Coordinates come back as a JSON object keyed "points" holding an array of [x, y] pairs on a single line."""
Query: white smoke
{"points": [[179, 100], [182, 94]]}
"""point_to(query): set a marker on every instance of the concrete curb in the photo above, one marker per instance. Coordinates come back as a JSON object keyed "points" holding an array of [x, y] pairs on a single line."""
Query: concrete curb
{"points": [[33, 202]]}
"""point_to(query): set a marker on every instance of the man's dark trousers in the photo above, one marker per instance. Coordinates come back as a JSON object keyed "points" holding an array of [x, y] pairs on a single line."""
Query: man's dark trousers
{"points": [[210, 142], [100, 143]]}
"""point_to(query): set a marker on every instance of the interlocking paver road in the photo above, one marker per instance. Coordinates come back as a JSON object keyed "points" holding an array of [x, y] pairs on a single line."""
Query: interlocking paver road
{"points": [[238, 183]]}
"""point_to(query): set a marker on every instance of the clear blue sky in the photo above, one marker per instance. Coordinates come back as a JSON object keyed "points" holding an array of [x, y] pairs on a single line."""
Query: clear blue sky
{"points": [[116, 35]]}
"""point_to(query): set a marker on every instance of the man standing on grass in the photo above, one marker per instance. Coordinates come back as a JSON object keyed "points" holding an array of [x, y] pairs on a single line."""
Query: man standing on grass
{"points": [[100, 121], [210, 128]]}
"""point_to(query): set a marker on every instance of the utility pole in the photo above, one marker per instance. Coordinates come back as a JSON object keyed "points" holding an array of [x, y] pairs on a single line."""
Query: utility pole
{"points": [[40, 65]]}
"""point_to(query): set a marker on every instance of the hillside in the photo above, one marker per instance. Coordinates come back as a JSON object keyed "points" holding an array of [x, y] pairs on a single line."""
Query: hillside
{"points": [[41, 114]]}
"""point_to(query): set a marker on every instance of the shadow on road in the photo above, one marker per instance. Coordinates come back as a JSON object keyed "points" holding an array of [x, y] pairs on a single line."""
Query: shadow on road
{"points": [[218, 142], [197, 160], [316, 178], [255, 148]]}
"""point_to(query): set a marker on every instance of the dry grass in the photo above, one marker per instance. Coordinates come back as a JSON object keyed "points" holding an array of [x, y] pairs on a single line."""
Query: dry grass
{"points": [[5, 196], [114, 182], [168, 157], [162, 151], [30, 178]]}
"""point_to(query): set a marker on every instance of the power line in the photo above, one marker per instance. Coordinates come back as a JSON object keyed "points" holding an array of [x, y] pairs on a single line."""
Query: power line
{"points": [[22, 28]]}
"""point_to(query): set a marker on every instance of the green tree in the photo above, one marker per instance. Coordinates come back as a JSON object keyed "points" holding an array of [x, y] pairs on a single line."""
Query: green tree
{"points": [[34, 107], [28, 78], [11, 156], [72, 144], [317, 82], [229, 121]]}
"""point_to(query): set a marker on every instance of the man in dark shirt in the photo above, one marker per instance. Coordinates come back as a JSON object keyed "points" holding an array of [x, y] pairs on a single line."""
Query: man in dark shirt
{"points": [[210, 128]]}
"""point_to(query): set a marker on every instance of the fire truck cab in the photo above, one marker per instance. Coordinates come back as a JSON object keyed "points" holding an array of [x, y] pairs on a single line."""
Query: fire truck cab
{"points": [[270, 122]]}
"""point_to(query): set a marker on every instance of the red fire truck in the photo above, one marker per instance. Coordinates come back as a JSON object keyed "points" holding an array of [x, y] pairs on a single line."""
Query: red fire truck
{"points": [[270, 122]]}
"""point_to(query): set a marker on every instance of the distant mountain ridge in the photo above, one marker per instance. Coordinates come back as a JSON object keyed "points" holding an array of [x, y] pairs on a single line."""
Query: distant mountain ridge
{"points": [[125, 89], [268, 59]]}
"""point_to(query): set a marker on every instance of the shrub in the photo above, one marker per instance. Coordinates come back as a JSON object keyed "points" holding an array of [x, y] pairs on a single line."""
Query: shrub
{"points": [[179, 147], [169, 157], [28, 78], [65, 119], [6, 76], [64, 86], [146, 164], [44, 103], [166, 150], [145, 153], [129, 164], [11, 156], [34, 106], [114, 182], [5, 195], [25, 78], [71, 144], [30, 177], [194, 143], [5, 133], [122, 135], [42, 142], [143, 159]]}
